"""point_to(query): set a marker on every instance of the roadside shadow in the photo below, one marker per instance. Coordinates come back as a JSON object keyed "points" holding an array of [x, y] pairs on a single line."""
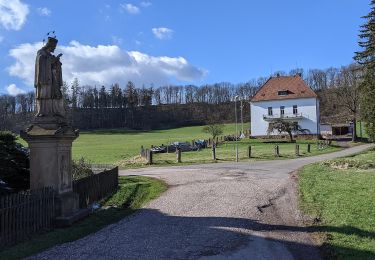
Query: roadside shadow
{"points": [[181, 237]]}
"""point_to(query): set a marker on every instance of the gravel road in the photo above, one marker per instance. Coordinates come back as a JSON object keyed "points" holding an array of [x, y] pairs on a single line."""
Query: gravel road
{"points": [[212, 211]]}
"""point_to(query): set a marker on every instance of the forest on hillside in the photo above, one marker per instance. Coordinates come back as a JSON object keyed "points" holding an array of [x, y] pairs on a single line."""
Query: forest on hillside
{"points": [[150, 107]]}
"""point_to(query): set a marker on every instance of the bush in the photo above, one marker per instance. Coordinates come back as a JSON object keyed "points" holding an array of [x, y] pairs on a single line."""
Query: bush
{"points": [[14, 164], [370, 130], [7, 137], [81, 168]]}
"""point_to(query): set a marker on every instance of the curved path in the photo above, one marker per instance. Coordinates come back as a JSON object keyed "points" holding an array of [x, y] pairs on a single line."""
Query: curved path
{"points": [[212, 211]]}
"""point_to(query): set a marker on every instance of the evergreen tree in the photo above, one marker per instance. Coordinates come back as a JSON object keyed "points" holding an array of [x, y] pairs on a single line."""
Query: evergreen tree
{"points": [[96, 98], [74, 93], [366, 57], [103, 102], [131, 95]]}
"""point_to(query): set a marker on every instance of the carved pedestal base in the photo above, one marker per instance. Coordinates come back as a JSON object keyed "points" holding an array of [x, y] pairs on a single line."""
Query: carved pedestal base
{"points": [[50, 146]]}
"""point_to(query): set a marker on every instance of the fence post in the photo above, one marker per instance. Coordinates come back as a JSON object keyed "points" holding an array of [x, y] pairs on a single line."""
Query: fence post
{"points": [[142, 151], [297, 149], [214, 151], [178, 155], [308, 148], [167, 148], [249, 151], [277, 151], [149, 157], [193, 142]]}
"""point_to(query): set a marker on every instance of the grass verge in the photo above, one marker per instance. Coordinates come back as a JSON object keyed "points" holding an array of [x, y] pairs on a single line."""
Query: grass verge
{"points": [[226, 152], [133, 192], [339, 195]]}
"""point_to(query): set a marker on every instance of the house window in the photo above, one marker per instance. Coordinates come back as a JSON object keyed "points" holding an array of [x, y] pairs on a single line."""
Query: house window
{"points": [[270, 111], [295, 110], [282, 112], [283, 92]]}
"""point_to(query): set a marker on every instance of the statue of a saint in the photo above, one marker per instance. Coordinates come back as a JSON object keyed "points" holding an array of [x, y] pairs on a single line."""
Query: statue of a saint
{"points": [[48, 82]]}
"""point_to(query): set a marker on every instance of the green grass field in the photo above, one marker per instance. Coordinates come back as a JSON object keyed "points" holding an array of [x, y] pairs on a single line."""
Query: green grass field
{"points": [[112, 146], [122, 146], [133, 192], [340, 194], [261, 150]]}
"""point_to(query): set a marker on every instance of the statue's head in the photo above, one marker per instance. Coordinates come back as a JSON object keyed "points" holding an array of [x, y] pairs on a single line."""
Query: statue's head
{"points": [[51, 44]]}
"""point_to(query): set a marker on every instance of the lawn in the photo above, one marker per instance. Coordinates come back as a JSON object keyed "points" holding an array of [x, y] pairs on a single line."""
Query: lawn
{"points": [[112, 146], [261, 150], [339, 194], [133, 192], [122, 146]]}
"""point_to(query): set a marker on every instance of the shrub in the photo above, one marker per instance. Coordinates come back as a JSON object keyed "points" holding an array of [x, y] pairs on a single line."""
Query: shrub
{"points": [[14, 163], [81, 168]]}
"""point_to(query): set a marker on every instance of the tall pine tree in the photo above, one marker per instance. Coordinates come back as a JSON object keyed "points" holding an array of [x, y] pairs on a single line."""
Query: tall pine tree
{"points": [[366, 57]]}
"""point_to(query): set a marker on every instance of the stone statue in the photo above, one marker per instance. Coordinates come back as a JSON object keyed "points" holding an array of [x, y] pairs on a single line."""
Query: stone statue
{"points": [[48, 82], [50, 137]]}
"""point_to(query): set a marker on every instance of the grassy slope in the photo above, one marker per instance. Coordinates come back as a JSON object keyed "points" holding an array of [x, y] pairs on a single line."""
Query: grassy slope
{"points": [[134, 192], [343, 200], [110, 147], [120, 146], [107, 146]]}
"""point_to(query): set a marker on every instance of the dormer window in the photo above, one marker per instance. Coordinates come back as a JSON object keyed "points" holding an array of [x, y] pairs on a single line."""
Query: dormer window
{"points": [[283, 92]]}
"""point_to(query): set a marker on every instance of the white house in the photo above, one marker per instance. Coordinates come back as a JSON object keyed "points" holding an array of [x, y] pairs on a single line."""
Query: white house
{"points": [[288, 98]]}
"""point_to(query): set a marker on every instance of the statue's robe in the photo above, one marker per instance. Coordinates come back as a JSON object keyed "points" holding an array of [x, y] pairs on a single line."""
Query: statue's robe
{"points": [[48, 82]]}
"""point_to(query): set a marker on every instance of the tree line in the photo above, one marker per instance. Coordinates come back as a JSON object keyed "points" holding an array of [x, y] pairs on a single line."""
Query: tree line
{"points": [[337, 89]]}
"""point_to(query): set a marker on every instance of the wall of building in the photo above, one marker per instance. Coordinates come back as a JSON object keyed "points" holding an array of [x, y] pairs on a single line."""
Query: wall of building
{"points": [[307, 106]]}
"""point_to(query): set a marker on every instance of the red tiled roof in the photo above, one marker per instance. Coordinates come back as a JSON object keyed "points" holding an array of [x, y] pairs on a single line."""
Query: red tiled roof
{"points": [[295, 85]]}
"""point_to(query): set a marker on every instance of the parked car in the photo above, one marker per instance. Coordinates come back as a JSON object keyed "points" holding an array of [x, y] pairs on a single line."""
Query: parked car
{"points": [[200, 144], [159, 149], [183, 146]]}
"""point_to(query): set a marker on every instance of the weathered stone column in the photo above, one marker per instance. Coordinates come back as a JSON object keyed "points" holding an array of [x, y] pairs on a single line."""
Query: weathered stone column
{"points": [[51, 163]]}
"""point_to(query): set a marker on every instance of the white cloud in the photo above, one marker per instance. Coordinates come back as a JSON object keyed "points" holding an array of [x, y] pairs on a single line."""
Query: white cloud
{"points": [[13, 90], [162, 33], [106, 64], [13, 14], [146, 4], [44, 11], [131, 9]]}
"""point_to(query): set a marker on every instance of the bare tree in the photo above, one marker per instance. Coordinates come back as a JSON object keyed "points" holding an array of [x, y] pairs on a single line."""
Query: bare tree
{"points": [[214, 129], [284, 126], [348, 92]]}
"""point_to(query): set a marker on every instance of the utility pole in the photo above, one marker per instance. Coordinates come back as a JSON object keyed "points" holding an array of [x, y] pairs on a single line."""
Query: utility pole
{"points": [[241, 118], [236, 136]]}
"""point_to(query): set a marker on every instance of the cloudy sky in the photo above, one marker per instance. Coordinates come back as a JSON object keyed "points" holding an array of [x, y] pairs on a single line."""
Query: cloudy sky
{"points": [[186, 41]]}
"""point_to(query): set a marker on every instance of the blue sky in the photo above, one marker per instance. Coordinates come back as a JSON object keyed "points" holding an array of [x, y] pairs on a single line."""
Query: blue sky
{"points": [[186, 41]]}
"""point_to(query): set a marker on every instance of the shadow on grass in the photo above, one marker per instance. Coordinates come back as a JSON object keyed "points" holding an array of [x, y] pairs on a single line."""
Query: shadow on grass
{"points": [[153, 233], [114, 131]]}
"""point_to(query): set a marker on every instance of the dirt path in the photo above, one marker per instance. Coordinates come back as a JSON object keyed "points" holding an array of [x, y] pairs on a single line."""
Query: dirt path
{"points": [[212, 211]]}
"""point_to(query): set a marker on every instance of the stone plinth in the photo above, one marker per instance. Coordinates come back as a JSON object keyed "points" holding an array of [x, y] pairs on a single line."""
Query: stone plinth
{"points": [[50, 147]]}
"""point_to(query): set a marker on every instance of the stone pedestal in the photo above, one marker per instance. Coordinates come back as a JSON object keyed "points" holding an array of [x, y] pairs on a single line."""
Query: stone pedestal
{"points": [[50, 144]]}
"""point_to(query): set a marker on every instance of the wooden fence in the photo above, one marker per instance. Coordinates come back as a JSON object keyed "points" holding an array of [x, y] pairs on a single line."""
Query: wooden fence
{"points": [[25, 213], [96, 187]]}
